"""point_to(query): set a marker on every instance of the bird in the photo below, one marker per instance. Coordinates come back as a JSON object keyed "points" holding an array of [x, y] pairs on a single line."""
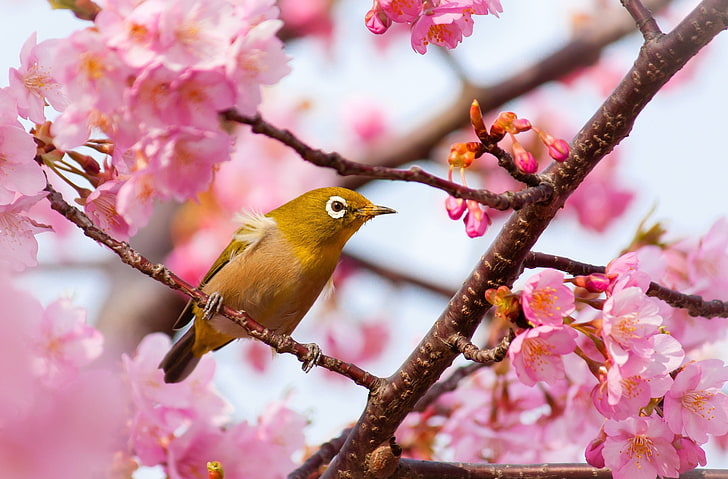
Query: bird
{"points": [[274, 268]]}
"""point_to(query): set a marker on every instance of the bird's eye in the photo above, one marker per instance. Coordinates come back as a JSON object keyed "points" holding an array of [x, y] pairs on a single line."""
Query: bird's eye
{"points": [[336, 207]]}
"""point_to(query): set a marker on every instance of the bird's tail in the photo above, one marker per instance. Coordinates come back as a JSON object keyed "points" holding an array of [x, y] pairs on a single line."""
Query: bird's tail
{"points": [[180, 361]]}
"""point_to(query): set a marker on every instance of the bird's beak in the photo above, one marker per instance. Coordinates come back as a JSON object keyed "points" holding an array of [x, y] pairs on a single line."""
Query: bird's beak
{"points": [[370, 211]]}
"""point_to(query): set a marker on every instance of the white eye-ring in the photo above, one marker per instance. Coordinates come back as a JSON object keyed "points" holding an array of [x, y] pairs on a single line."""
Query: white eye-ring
{"points": [[336, 207]]}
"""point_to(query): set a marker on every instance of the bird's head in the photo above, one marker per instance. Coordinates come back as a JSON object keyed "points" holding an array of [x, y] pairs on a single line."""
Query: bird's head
{"points": [[325, 218]]}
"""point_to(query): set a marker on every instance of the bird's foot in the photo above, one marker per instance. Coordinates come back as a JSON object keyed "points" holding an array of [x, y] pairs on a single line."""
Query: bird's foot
{"points": [[213, 305], [312, 356]]}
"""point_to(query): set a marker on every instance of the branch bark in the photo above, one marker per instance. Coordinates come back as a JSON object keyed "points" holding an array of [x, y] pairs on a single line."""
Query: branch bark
{"points": [[658, 60]]}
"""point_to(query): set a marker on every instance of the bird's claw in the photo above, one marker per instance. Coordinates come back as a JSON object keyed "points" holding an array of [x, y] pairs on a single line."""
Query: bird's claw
{"points": [[214, 302], [312, 356]]}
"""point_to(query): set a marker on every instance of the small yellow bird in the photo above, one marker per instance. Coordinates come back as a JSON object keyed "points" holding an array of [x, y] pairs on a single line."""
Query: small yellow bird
{"points": [[273, 269]]}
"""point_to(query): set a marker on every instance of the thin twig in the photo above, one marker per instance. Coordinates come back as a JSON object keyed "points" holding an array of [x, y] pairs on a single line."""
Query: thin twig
{"points": [[540, 189]]}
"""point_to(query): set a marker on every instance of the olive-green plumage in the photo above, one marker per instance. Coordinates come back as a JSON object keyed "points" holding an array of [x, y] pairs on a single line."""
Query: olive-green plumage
{"points": [[273, 269]]}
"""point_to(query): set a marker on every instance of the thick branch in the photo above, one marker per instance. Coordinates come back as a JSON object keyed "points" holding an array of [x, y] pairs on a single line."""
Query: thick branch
{"points": [[280, 342], [657, 62], [694, 304], [412, 469]]}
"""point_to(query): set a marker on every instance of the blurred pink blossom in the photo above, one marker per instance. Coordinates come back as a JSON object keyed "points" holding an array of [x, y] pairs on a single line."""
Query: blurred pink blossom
{"points": [[18, 246]]}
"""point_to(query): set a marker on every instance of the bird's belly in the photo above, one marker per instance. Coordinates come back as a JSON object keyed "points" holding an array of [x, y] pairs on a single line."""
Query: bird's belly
{"points": [[275, 295]]}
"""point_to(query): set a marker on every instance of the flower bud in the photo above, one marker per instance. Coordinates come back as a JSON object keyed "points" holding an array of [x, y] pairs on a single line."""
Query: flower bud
{"points": [[594, 283], [524, 159], [507, 306], [476, 219], [377, 21], [455, 207], [476, 118], [520, 125]]}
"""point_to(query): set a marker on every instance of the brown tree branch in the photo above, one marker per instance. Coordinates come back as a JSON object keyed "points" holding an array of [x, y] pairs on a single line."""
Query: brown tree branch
{"points": [[540, 191], [643, 17], [280, 342], [414, 469], [656, 63], [694, 304], [485, 356]]}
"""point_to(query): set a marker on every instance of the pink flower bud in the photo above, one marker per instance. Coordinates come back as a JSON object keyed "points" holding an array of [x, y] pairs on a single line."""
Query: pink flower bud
{"points": [[377, 21], [476, 220], [521, 125], [558, 150], [455, 207], [524, 159], [594, 283]]}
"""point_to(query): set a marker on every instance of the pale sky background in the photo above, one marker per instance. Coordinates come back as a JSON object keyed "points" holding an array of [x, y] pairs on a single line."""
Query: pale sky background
{"points": [[675, 158]]}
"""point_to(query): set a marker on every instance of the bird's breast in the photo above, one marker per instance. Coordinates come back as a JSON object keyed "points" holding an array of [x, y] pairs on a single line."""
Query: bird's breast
{"points": [[271, 283]]}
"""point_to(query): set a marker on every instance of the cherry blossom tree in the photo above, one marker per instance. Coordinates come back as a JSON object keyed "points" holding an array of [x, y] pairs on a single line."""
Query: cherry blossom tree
{"points": [[153, 122]]}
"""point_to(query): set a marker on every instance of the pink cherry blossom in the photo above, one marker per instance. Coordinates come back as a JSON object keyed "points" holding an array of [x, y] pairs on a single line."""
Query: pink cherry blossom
{"points": [[447, 22], [100, 206], [630, 320], [136, 197], [601, 199], [624, 272], [33, 83], [619, 397], [537, 354], [19, 173], [594, 452], [65, 342], [545, 299], [161, 97], [18, 246], [707, 264], [640, 447], [690, 453], [695, 405], [171, 406], [94, 75], [256, 59], [182, 158], [53, 390], [402, 11]]}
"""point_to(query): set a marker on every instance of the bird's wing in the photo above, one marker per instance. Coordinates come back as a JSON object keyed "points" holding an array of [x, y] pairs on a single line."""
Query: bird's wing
{"points": [[254, 227]]}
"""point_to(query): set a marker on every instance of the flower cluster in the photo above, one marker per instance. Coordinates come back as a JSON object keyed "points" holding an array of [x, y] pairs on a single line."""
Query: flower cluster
{"points": [[52, 361], [183, 426], [152, 78], [54, 381], [658, 408], [433, 22], [462, 156], [509, 123]]}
